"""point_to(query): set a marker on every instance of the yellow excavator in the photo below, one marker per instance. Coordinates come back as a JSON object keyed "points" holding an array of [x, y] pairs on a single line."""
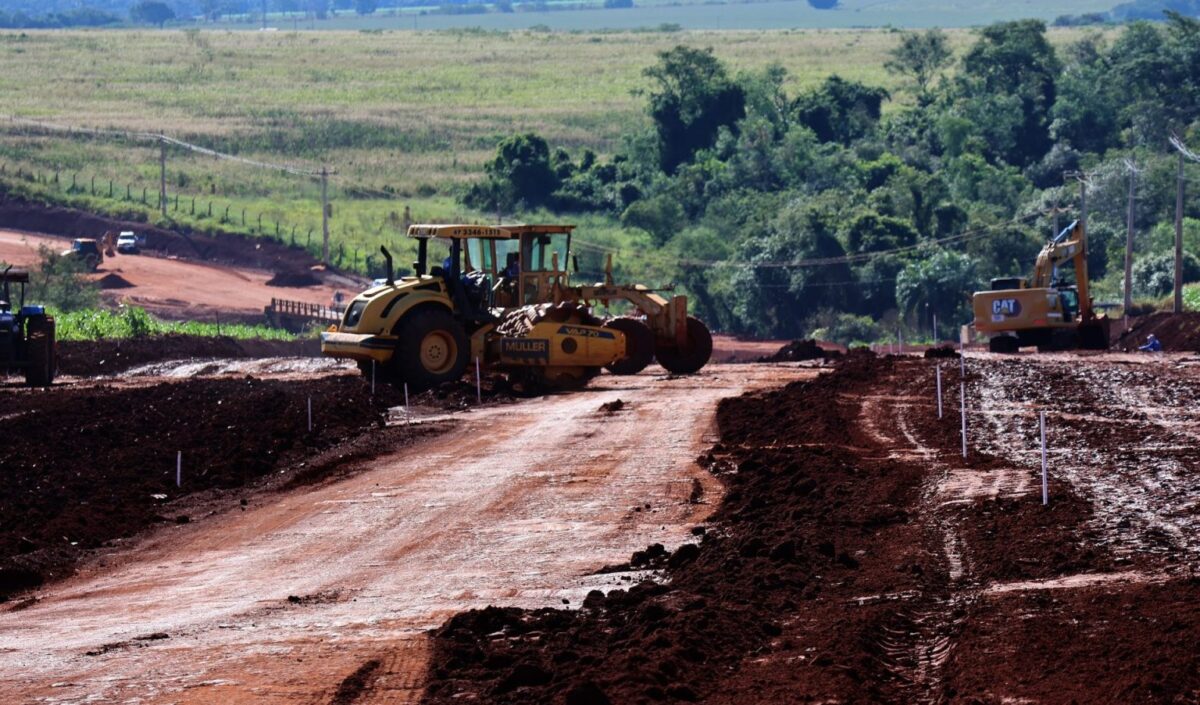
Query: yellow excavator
{"points": [[1045, 310]]}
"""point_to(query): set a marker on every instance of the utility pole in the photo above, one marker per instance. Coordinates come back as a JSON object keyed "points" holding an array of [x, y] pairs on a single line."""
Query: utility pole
{"points": [[1081, 177], [162, 176], [1083, 201], [325, 215], [1178, 307], [1184, 153], [1132, 166]]}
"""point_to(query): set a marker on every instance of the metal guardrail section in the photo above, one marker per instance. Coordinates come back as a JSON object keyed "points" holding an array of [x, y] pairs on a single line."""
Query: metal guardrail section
{"points": [[286, 314]]}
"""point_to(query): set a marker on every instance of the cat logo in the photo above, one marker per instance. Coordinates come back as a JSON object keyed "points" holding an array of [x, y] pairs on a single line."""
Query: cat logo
{"points": [[1006, 307], [525, 348]]}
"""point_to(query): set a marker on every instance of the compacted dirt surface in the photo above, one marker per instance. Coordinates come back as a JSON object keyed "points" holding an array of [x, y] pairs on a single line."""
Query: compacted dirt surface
{"points": [[325, 590], [858, 557], [174, 288]]}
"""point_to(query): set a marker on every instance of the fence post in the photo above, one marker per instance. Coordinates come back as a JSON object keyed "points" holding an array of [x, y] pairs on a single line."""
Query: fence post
{"points": [[93, 185], [210, 209], [143, 195], [128, 192], [243, 216], [225, 218], [193, 205]]}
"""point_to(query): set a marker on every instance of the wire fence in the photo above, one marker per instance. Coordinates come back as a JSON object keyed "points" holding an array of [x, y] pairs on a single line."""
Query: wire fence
{"points": [[134, 200]]}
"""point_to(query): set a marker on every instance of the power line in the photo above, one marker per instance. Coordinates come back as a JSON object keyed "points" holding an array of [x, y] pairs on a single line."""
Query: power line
{"points": [[859, 258], [158, 137]]}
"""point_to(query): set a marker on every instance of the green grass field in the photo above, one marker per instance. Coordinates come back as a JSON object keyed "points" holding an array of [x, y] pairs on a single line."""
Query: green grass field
{"points": [[95, 324], [411, 114], [697, 14]]}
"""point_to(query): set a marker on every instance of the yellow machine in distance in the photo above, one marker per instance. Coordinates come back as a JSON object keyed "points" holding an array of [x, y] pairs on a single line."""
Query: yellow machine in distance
{"points": [[532, 270], [425, 329], [1044, 310]]}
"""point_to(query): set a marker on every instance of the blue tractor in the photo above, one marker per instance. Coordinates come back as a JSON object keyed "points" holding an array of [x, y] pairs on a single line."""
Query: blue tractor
{"points": [[27, 336]]}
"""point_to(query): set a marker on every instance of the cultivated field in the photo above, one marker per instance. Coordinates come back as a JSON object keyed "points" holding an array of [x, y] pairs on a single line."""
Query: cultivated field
{"points": [[692, 14], [414, 114]]}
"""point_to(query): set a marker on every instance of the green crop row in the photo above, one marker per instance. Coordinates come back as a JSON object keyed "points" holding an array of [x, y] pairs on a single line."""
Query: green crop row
{"points": [[133, 322]]}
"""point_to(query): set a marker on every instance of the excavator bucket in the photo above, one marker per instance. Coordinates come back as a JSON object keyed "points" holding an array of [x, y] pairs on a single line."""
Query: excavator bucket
{"points": [[1094, 334]]}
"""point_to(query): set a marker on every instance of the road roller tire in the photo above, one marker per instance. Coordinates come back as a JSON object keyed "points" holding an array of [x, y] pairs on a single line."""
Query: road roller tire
{"points": [[431, 349], [692, 356], [639, 346]]}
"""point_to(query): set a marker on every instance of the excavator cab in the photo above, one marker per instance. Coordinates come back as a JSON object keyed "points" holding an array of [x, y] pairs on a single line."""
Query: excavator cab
{"points": [[1009, 283]]}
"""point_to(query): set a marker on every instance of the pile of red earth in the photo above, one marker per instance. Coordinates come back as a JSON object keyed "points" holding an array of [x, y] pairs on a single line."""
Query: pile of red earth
{"points": [[826, 576], [1176, 331], [799, 350], [294, 278], [792, 522], [85, 466], [114, 281], [114, 355], [463, 394]]}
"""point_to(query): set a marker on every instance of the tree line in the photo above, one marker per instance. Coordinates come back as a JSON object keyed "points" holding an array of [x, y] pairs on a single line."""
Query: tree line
{"points": [[910, 208]]}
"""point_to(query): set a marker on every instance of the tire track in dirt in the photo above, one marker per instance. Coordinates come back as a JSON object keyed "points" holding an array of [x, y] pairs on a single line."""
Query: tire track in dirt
{"points": [[1132, 451], [508, 509], [917, 638]]}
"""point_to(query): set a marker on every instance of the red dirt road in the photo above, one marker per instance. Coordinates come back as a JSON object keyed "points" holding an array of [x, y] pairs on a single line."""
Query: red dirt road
{"points": [[172, 287], [516, 506]]}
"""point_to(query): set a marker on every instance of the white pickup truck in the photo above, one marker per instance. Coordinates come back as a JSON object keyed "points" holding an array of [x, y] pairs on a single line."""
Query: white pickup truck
{"points": [[130, 243]]}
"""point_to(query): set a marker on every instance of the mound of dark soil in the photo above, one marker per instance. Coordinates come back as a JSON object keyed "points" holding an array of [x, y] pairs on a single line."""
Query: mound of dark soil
{"points": [[85, 466], [114, 281], [100, 357], [1136, 644], [1176, 331], [294, 278], [799, 350], [461, 394], [825, 576], [942, 352], [793, 521]]}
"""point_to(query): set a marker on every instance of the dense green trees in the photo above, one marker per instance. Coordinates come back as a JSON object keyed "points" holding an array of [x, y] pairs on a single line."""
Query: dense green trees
{"points": [[691, 98], [922, 57], [789, 212], [151, 12]]}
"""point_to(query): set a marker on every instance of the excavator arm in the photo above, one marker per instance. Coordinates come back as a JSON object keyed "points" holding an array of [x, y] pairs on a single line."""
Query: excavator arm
{"points": [[1069, 246]]}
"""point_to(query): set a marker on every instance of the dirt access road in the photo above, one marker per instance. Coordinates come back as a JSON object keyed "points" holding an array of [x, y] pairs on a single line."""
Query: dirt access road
{"points": [[282, 602], [172, 287]]}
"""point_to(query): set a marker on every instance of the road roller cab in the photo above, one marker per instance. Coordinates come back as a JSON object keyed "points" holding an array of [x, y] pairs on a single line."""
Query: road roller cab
{"points": [[425, 329]]}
